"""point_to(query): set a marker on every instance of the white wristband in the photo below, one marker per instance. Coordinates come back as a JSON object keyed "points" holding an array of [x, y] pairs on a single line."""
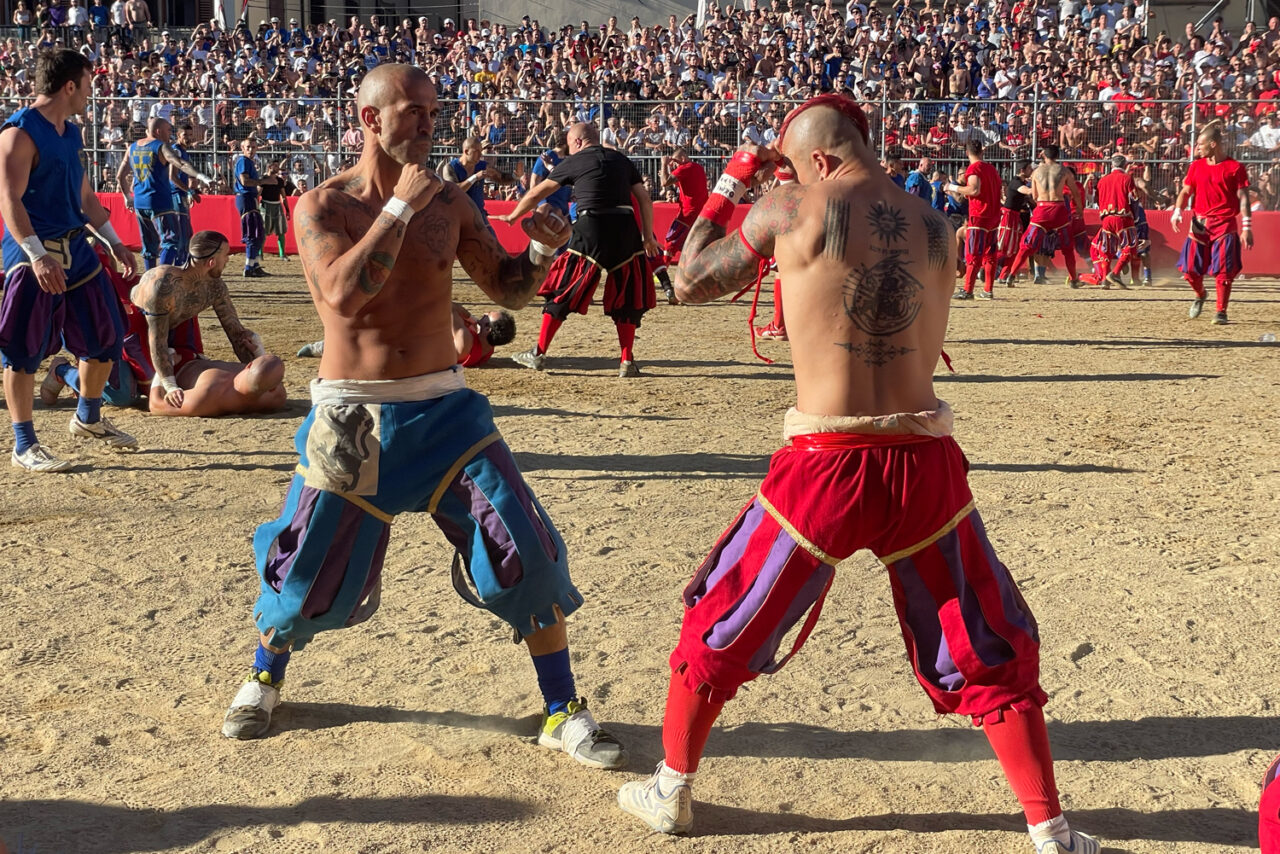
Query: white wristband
{"points": [[168, 383], [541, 248], [108, 233], [399, 209], [256, 344], [33, 247], [730, 187]]}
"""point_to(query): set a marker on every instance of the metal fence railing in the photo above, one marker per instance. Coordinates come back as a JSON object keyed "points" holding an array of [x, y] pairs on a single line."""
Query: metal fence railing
{"points": [[313, 137]]}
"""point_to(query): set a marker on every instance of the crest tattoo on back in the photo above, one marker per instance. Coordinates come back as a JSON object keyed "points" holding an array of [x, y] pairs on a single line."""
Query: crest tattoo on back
{"points": [[884, 298]]}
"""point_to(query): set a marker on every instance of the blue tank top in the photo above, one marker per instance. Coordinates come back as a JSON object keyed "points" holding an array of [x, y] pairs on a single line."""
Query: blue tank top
{"points": [[52, 198], [181, 183], [151, 188], [542, 168], [245, 166], [476, 192]]}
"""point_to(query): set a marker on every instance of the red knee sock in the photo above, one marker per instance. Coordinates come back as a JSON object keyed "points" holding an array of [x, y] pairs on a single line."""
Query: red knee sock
{"points": [[1018, 261], [989, 271], [1021, 743], [1101, 267], [970, 275], [778, 321], [1197, 284], [549, 327], [1224, 291], [686, 725], [627, 340]]}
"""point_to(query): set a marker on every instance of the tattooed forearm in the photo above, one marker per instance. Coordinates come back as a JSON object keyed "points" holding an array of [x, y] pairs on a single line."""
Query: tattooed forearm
{"points": [[835, 229], [509, 280], [376, 271], [936, 230]]}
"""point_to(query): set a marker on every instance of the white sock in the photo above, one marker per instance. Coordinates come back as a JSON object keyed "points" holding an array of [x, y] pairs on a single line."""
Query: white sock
{"points": [[668, 773], [1055, 828]]}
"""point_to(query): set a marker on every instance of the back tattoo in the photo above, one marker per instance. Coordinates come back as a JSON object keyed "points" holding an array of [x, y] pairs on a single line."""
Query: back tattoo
{"points": [[883, 298]]}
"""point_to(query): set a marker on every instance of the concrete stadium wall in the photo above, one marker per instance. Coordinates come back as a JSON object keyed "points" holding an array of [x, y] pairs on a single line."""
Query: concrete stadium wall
{"points": [[219, 213]]}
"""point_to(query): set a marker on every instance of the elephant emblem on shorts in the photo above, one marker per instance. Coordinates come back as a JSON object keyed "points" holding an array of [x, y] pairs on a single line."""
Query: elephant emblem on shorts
{"points": [[341, 441]]}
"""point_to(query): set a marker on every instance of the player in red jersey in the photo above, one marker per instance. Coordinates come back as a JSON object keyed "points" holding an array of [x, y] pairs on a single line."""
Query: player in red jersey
{"points": [[1116, 243], [982, 188], [690, 180], [1217, 188]]}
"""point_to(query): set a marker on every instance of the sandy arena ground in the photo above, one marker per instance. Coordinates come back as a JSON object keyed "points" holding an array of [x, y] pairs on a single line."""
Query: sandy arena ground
{"points": [[1125, 459]]}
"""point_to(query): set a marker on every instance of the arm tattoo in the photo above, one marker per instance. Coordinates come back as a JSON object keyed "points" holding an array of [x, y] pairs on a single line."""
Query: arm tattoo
{"points": [[712, 264], [937, 235], [376, 271], [835, 229], [511, 280], [887, 223]]}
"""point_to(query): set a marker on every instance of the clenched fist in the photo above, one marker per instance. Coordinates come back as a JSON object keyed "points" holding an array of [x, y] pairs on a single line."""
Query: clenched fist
{"points": [[548, 226], [417, 186]]}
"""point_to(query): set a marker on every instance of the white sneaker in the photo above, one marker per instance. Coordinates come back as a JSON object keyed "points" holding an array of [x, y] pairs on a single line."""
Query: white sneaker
{"points": [[250, 712], [576, 732], [104, 431], [664, 804], [38, 458], [51, 386], [310, 351], [1197, 305], [1079, 844], [531, 359]]}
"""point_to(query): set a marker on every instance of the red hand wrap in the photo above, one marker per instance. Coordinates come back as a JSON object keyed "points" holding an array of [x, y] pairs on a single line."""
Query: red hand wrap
{"points": [[730, 188]]}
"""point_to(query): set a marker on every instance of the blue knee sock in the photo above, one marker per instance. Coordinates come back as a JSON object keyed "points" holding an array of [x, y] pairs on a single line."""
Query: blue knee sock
{"points": [[266, 661], [69, 375], [89, 410], [1040, 271], [555, 679], [24, 436]]}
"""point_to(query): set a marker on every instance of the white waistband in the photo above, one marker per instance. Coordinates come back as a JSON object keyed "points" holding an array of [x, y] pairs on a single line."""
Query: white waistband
{"points": [[407, 390], [933, 422]]}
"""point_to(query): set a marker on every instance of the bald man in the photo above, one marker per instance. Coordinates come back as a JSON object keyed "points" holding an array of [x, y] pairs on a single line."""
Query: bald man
{"points": [[608, 244], [143, 178], [869, 463], [394, 429]]}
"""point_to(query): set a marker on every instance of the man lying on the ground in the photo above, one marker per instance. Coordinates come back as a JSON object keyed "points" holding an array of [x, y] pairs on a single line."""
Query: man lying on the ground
{"points": [[186, 382], [474, 337]]}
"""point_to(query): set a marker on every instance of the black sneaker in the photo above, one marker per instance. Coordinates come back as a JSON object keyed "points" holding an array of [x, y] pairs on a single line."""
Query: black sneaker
{"points": [[962, 294], [1220, 319]]}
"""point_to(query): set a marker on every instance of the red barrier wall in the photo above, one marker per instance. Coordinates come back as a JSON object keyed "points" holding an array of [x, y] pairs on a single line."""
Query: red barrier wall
{"points": [[219, 213]]}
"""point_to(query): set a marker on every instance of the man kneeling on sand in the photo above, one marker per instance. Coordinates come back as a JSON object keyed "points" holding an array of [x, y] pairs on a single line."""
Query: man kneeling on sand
{"points": [[186, 382]]}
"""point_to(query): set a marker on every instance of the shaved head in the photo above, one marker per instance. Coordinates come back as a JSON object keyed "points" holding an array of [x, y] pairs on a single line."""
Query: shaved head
{"points": [[397, 105], [823, 129], [386, 83], [585, 131], [157, 126]]}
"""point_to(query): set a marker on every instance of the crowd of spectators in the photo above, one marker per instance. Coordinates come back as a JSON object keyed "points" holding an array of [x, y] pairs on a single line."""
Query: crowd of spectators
{"points": [[1090, 76]]}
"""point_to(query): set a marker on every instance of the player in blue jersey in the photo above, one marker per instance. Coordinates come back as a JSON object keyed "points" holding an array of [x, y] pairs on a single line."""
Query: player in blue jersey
{"points": [[551, 158], [184, 194], [469, 172], [252, 228], [143, 177], [56, 293]]}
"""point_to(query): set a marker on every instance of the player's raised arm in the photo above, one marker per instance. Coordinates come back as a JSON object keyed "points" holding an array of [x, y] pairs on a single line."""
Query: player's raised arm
{"points": [[509, 280], [347, 274], [713, 262]]}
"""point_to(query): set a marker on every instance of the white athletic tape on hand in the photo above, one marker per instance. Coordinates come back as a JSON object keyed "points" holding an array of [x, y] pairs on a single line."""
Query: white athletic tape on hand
{"points": [[107, 232], [255, 344], [730, 187], [169, 384], [541, 248], [399, 209], [33, 248]]}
